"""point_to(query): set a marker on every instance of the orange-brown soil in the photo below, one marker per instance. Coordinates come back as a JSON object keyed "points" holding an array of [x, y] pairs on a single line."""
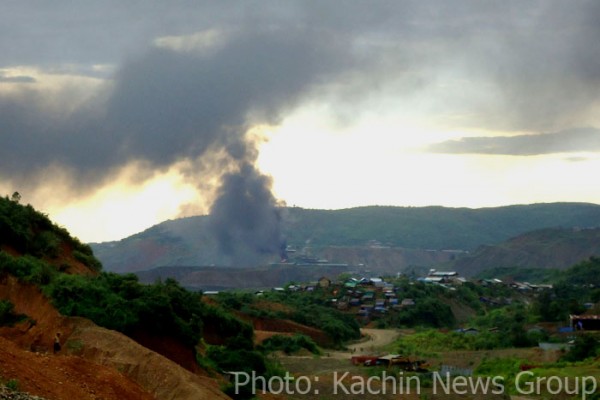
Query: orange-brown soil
{"points": [[286, 326], [64, 377], [94, 362]]}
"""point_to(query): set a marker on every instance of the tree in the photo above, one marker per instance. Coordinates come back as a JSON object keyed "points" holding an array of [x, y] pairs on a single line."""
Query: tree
{"points": [[585, 346], [16, 197]]}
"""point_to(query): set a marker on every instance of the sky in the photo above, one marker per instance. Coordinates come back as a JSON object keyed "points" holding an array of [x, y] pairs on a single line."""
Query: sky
{"points": [[115, 116]]}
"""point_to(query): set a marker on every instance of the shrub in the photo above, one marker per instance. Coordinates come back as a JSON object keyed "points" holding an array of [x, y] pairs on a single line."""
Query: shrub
{"points": [[311, 309], [585, 346], [121, 303], [290, 344], [13, 385], [27, 268], [87, 259], [45, 243], [31, 232], [248, 361], [499, 367], [228, 359], [7, 313]]}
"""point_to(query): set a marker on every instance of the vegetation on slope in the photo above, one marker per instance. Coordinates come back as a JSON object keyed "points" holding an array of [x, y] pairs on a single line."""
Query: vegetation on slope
{"points": [[506, 324], [31, 244], [30, 232], [187, 241], [584, 273], [120, 302], [290, 345], [557, 248], [571, 288], [304, 308], [114, 301], [7, 313], [432, 227]]}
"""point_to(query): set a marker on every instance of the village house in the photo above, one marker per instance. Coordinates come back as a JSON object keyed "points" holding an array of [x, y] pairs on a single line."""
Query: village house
{"points": [[407, 303], [585, 322], [443, 277], [442, 274]]}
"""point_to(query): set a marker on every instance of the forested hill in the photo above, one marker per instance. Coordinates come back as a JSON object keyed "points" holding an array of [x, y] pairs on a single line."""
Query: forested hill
{"points": [[27, 232], [188, 241], [551, 248], [432, 227]]}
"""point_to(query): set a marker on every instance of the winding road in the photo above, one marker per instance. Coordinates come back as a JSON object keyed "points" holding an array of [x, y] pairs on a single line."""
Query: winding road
{"points": [[373, 340], [376, 338]]}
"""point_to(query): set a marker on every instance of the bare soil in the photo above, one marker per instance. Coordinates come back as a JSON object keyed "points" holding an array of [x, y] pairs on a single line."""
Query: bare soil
{"points": [[64, 377], [375, 339], [94, 363]]}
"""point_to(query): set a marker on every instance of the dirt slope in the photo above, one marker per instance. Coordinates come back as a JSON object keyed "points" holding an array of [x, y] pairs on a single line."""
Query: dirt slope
{"points": [[158, 375], [557, 248], [28, 300], [87, 348], [288, 327], [65, 377]]}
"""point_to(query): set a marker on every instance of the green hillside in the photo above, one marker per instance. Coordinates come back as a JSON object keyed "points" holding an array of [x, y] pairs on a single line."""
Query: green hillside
{"points": [[27, 232], [189, 242], [35, 251], [433, 227]]}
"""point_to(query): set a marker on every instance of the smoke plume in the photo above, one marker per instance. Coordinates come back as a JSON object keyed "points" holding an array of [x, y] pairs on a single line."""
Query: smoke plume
{"points": [[167, 106], [216, 69]]}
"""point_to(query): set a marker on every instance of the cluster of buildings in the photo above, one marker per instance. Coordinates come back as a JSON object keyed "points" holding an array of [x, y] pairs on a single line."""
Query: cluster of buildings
{"points": [[371, 296], [374, 296]]}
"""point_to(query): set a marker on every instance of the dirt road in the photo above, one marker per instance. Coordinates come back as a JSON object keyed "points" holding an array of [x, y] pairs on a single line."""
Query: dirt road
{"points": [[376, 338]]}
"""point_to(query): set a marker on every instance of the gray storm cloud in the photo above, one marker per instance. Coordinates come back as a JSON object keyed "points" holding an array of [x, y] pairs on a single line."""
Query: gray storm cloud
{"points": [[171, 106], [16, 79], [568, 141], [497, 65], [494, 65], [167, 106]]}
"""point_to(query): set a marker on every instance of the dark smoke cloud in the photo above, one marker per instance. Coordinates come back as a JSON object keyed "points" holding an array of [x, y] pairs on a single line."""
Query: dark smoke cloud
{"points": [[167, 106], [198, 101], [246, 218], [505, 65], [568, 141], [498, 65]]}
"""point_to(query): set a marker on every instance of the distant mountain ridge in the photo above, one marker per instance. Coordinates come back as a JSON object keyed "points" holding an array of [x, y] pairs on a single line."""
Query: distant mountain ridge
{"points": [[551, 248], [188, 241]]}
